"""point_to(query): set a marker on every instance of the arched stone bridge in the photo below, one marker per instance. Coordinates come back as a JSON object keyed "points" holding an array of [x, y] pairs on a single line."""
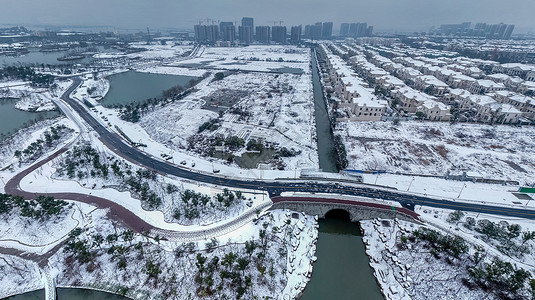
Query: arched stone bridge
{"points": [[358, 210]]}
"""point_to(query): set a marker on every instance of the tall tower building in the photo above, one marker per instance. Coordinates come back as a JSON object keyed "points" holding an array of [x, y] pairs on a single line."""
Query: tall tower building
{"points": [[263, 34], [509, 31], [246, 34], [344, 29], [227, 31], [327, 30], [278, 34], [206, 33], [246, 30], [295, 34]]}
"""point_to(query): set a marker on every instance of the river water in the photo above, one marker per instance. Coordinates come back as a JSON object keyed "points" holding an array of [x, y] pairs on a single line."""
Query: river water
{"points": [[326, 151], [342, 270]]}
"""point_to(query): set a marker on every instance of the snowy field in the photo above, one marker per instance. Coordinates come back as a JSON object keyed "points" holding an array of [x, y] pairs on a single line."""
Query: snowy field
{"points": [[251, 58], [280, 271], [411, 269], [275, 108], [495, 152], [153, 51]]}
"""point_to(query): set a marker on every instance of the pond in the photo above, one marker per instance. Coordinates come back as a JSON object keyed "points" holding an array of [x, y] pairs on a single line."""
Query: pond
{"points": [[132, 86], [12, 119], [248, 160]]}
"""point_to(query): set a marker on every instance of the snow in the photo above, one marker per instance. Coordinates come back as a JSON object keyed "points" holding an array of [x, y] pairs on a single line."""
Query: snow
{"points": [[251, 58], [32, 98], [433, 148], [18, 276], [293, 121]]}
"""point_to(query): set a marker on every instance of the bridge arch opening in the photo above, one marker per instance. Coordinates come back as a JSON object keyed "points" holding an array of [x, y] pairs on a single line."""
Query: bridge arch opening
{"points": [[338, 213]]}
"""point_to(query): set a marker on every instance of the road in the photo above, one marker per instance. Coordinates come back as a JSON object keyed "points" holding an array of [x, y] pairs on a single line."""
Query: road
{"points": [[408, 200]]}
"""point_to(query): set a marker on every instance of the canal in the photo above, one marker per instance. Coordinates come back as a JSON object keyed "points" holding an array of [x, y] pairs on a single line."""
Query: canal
{"points": [[326, 150], [132, 86]]}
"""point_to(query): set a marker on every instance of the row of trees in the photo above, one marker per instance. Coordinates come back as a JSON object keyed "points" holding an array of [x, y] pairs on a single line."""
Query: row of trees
{"points": [[194, 204], [37, 148], [27, 74], [42, 208]]}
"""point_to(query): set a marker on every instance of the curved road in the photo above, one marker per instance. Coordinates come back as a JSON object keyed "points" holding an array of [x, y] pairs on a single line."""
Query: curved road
{"points": [[274, 187]]}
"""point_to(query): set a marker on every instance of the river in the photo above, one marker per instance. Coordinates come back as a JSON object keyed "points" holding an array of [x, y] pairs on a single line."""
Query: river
{"points": [[342, 270]]}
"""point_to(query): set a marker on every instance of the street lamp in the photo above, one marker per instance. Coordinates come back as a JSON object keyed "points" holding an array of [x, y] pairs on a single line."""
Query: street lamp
{"points": [[464, 185], [410, 184]]}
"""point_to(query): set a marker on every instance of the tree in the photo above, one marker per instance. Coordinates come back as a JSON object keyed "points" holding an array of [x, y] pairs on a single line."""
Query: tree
{"points": [[420, 115], [429, 89], [219, 75]]}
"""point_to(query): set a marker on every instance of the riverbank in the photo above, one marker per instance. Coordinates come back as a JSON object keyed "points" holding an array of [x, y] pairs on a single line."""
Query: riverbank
{"points": [[406, 267]]}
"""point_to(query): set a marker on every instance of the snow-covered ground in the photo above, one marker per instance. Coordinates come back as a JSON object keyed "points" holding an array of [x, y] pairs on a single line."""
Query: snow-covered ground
{"points": [[32, 98], [280, 271], [18, 276], [251, 58], [153, 51], [406, 269], [488, 151], [279, 107]]}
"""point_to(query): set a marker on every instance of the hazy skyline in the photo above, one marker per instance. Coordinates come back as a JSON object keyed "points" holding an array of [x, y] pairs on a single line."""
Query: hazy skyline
{"points": [[384, 15]]}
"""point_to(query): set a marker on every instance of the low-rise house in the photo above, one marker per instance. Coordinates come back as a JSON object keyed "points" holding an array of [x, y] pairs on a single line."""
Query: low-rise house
{"points": [[410, 99], [482, 86], [429, 81], [526, 86], [514, 69], [408, 74], [435, 111], [390, 82], [460, 81], [499, 77]]}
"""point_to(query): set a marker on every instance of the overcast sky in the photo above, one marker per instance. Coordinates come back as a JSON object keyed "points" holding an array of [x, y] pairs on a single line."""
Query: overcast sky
{"points": [[384, 15]]}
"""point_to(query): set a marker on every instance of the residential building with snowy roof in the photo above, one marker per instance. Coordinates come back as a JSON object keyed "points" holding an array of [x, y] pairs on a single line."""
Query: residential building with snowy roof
{"points": [[435, 111], [425, 81], [482, 86]]}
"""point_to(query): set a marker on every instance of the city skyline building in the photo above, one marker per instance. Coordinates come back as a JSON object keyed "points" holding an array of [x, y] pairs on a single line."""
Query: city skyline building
{"points": [[278, 34]]}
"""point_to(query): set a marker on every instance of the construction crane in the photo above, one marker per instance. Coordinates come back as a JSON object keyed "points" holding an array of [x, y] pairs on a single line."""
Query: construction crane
{"points": [[148, 36]]}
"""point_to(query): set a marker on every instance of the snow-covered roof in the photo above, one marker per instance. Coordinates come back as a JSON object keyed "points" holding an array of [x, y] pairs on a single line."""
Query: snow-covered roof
{"points": [[499, 76], [432, 80], [522, 67], [430, 104], [481, 99], [490, 84]]}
